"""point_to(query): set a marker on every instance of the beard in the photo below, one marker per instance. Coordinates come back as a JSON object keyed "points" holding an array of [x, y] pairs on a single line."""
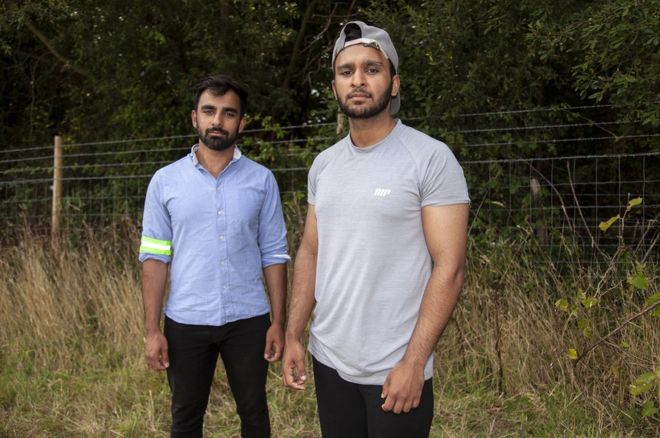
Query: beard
{"points": [[366, 112], [217, 143]]}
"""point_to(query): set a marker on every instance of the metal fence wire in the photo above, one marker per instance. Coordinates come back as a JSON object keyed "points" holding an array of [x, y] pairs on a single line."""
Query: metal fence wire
{"points": [[556, 172]]}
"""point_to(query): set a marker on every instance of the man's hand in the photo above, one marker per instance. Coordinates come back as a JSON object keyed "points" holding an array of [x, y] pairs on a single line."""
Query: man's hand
{"points": [[293, 365], [402, 390], [156, 352], [274, 343]]}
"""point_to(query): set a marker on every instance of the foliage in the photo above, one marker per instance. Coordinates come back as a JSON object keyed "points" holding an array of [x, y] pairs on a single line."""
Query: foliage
{"points": [[471, 57], [71, 351], [122, 69], [597, 312]]}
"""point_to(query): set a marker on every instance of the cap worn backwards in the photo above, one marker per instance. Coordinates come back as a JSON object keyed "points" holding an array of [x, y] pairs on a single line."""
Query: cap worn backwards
{"points": [[358, 32]]}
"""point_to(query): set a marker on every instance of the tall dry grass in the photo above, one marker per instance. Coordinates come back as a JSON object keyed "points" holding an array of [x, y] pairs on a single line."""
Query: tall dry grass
{"points": [[71, 348], [61, 303]]}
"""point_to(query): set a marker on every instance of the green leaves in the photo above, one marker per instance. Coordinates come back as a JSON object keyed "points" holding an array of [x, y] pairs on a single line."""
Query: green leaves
{"points": [[644, 382], [583, 325], [650, 301], [604, 226], [589, 302], [638, 281], [649, 409], [562, 304], [642, 385]]}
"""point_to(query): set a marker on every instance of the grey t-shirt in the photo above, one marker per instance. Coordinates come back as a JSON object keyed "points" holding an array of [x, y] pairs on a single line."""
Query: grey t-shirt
{"points": [[373, 264]]}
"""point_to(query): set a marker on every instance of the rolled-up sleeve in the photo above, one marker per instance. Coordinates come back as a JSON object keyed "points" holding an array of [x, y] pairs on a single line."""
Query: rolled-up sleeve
{"points": [[272, 229], [156, 241]]}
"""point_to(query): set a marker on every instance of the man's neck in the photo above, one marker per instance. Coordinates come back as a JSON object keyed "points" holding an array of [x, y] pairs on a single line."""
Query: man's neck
{"points": [[214, 161], [368, 132]]}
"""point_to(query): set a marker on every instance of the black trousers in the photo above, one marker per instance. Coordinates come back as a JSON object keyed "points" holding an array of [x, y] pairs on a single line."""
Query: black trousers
{"points": [[193, 352], [349, 410]]}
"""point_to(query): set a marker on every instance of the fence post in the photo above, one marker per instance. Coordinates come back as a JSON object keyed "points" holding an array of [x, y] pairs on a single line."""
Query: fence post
{"points": [[57, 188], [340, 122]]}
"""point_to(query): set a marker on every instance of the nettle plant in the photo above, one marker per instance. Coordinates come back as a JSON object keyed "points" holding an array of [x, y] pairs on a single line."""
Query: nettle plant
{"points": [[585, 306]]}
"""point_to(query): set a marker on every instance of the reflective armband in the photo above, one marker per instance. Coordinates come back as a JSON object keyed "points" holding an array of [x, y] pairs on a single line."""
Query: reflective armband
{"points": [[155, 246]]}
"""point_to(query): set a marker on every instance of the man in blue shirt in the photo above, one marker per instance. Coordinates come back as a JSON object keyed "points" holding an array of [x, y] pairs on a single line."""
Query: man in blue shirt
{"points": [[215, 218]]}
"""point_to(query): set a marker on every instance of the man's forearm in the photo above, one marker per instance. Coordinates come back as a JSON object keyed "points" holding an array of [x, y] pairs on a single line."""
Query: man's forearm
{"points": [[154, 278], [438, 302], [276, 278], [302, 295]]}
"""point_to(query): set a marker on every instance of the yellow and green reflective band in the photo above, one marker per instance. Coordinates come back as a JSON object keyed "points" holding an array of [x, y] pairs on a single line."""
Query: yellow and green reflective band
{"points": [[155, 246]]}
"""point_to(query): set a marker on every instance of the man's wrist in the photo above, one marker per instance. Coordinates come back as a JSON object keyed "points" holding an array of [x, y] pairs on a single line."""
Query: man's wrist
{"points": [[414, 361], [152, 330], [292, 336]]}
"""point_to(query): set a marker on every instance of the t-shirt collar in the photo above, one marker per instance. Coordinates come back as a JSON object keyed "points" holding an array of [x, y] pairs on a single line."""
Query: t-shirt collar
{"points": [[374, 146]]}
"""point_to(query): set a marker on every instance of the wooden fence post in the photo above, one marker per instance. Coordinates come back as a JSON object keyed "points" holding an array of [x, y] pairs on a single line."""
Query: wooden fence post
{"points": [[340, 122], [57, 188]]}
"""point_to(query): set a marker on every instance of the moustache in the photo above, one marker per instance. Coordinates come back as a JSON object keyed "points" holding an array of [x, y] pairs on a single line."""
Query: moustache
{"points": [[359, 91], [219, 130]]}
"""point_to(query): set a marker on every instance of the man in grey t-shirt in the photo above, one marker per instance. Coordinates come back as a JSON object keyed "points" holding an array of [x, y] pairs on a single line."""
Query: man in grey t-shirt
{"points": [[382, 255]]}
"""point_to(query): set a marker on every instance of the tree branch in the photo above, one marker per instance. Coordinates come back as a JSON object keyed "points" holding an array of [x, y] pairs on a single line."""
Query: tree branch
{"points": [[297, 45], [617, 330], [41, 37]]}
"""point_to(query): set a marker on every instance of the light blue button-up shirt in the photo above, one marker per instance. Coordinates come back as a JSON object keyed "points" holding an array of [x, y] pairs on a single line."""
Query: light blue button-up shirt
{"points": [[218, 235]]}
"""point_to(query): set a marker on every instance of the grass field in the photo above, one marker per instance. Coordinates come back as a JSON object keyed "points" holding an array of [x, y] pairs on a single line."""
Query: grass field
{"points": [[71, 348]]}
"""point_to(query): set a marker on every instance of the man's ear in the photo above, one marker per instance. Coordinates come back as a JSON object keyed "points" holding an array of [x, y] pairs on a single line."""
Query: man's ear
{"points": [[193, 118], [241, 125], [396, 83], [334, 90]]}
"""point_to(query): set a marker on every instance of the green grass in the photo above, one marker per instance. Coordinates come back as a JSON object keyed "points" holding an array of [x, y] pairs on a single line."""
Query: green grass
{"points": [[71, 352]]}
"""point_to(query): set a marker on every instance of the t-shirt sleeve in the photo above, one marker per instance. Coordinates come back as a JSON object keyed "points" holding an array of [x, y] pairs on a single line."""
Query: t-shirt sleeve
{"points": [[156, 241], [312, 177], [443, 182]]}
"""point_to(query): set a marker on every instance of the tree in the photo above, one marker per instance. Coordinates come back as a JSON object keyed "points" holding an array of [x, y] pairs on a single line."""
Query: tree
{"points": [[123, 69]]}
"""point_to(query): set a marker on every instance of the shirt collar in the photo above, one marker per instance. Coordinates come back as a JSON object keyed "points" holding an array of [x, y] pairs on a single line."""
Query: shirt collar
{"points": [[193, 154]]}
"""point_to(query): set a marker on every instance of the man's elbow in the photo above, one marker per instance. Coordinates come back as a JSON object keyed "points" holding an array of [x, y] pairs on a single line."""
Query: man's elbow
{"points": [[451, 274]]}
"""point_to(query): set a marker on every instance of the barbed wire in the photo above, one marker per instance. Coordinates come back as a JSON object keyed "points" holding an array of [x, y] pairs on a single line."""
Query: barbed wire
{"points": [[568, 157], [560, 140], [556, 108], [315, 139], [528, 110], [540, 127], [294, 154], [90, 166], [92, 193]]}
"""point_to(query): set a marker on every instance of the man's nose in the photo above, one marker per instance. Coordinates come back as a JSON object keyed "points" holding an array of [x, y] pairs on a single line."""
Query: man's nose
{"points": [[358, 78], [218, 119]]}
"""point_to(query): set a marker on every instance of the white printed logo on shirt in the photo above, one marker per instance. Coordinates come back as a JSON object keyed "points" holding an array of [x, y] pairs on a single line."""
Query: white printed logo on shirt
{"points": [[382, 192]]}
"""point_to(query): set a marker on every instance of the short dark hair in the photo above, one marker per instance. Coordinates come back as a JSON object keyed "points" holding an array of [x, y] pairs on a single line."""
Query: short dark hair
{"points": [[218, 85]]}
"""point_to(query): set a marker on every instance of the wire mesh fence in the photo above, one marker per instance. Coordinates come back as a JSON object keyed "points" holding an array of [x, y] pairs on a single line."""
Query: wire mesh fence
{"points": [[555, 172]]}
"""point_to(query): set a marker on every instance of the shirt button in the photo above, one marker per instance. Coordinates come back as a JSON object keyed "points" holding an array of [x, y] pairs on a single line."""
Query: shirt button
{"points": [[220, 212], [221, 237]]}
